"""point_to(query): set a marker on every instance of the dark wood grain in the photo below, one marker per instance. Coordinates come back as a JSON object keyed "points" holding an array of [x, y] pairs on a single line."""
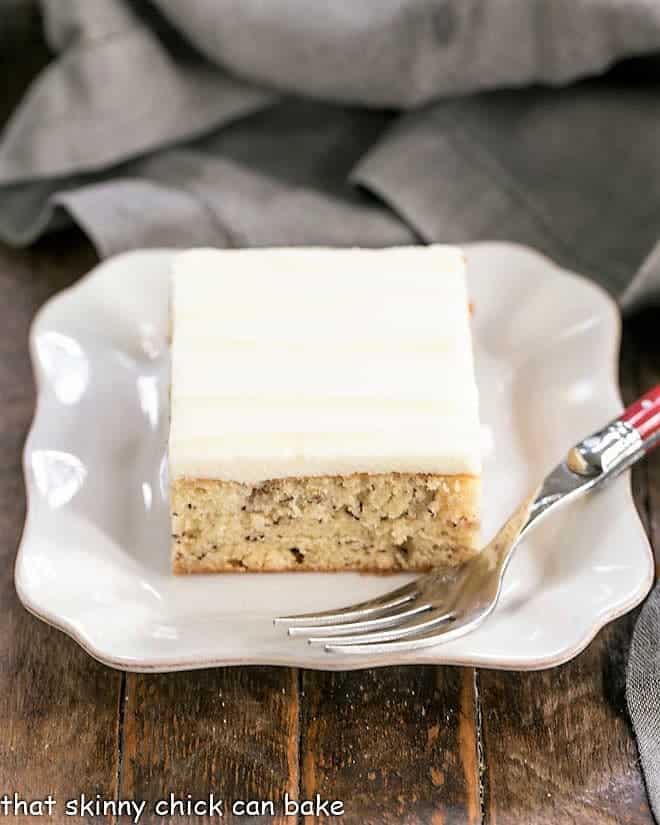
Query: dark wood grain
{"points": [[58, 707], [231, 732], [558, 746], [396, 745]]}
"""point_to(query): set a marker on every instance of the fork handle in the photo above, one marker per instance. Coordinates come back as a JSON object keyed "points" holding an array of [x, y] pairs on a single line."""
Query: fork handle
{"points": [[601, 456], [643, 416], [622, 442], [594, 460]]}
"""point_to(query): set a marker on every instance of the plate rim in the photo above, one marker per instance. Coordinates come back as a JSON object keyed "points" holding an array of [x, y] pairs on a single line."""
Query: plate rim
{"points": [[130, 664]]}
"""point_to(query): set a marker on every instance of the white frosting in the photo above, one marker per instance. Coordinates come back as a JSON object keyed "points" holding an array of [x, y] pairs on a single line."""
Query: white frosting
{"points": [[296, 362]]}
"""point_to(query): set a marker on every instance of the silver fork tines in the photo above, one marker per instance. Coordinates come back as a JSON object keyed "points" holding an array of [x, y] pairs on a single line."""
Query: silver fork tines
{"points": [[356, 612], [386, 620], [420, 624]]}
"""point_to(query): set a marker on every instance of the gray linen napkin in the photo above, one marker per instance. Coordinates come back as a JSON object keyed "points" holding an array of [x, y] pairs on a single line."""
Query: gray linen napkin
{"points": [[243, 123]]}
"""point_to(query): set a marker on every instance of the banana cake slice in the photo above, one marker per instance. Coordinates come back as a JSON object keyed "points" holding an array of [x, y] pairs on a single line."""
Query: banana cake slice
{"points": [[324, 410]]}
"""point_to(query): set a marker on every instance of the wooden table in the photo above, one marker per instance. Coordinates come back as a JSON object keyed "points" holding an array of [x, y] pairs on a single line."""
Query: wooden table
{"points": [[401, 745]]}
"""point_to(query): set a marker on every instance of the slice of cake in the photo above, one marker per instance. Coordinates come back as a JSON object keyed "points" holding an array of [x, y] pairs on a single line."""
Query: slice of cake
{"points": [[324, 410]]}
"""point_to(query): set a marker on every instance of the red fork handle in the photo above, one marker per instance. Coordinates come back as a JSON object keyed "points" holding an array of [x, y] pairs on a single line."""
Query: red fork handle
{"points": [[644, 416], [621, 443]]}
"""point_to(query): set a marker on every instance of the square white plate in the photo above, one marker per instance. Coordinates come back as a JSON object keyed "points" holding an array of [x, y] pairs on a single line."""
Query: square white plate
{"points": [[94, 558]]}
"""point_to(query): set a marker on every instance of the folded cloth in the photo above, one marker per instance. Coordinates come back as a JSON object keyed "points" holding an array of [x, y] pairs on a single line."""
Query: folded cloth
{"points": [[243, 123]]}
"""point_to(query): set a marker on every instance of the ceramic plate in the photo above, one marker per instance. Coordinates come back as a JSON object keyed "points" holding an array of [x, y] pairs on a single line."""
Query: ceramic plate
{"points": [[94, 557]]}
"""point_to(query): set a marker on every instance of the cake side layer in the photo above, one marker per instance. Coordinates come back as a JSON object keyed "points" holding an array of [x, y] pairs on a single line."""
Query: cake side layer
{"points": [[382, 523]]}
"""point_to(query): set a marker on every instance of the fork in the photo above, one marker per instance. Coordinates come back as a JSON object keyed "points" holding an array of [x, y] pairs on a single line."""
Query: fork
{"points": [[451, 602]]}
